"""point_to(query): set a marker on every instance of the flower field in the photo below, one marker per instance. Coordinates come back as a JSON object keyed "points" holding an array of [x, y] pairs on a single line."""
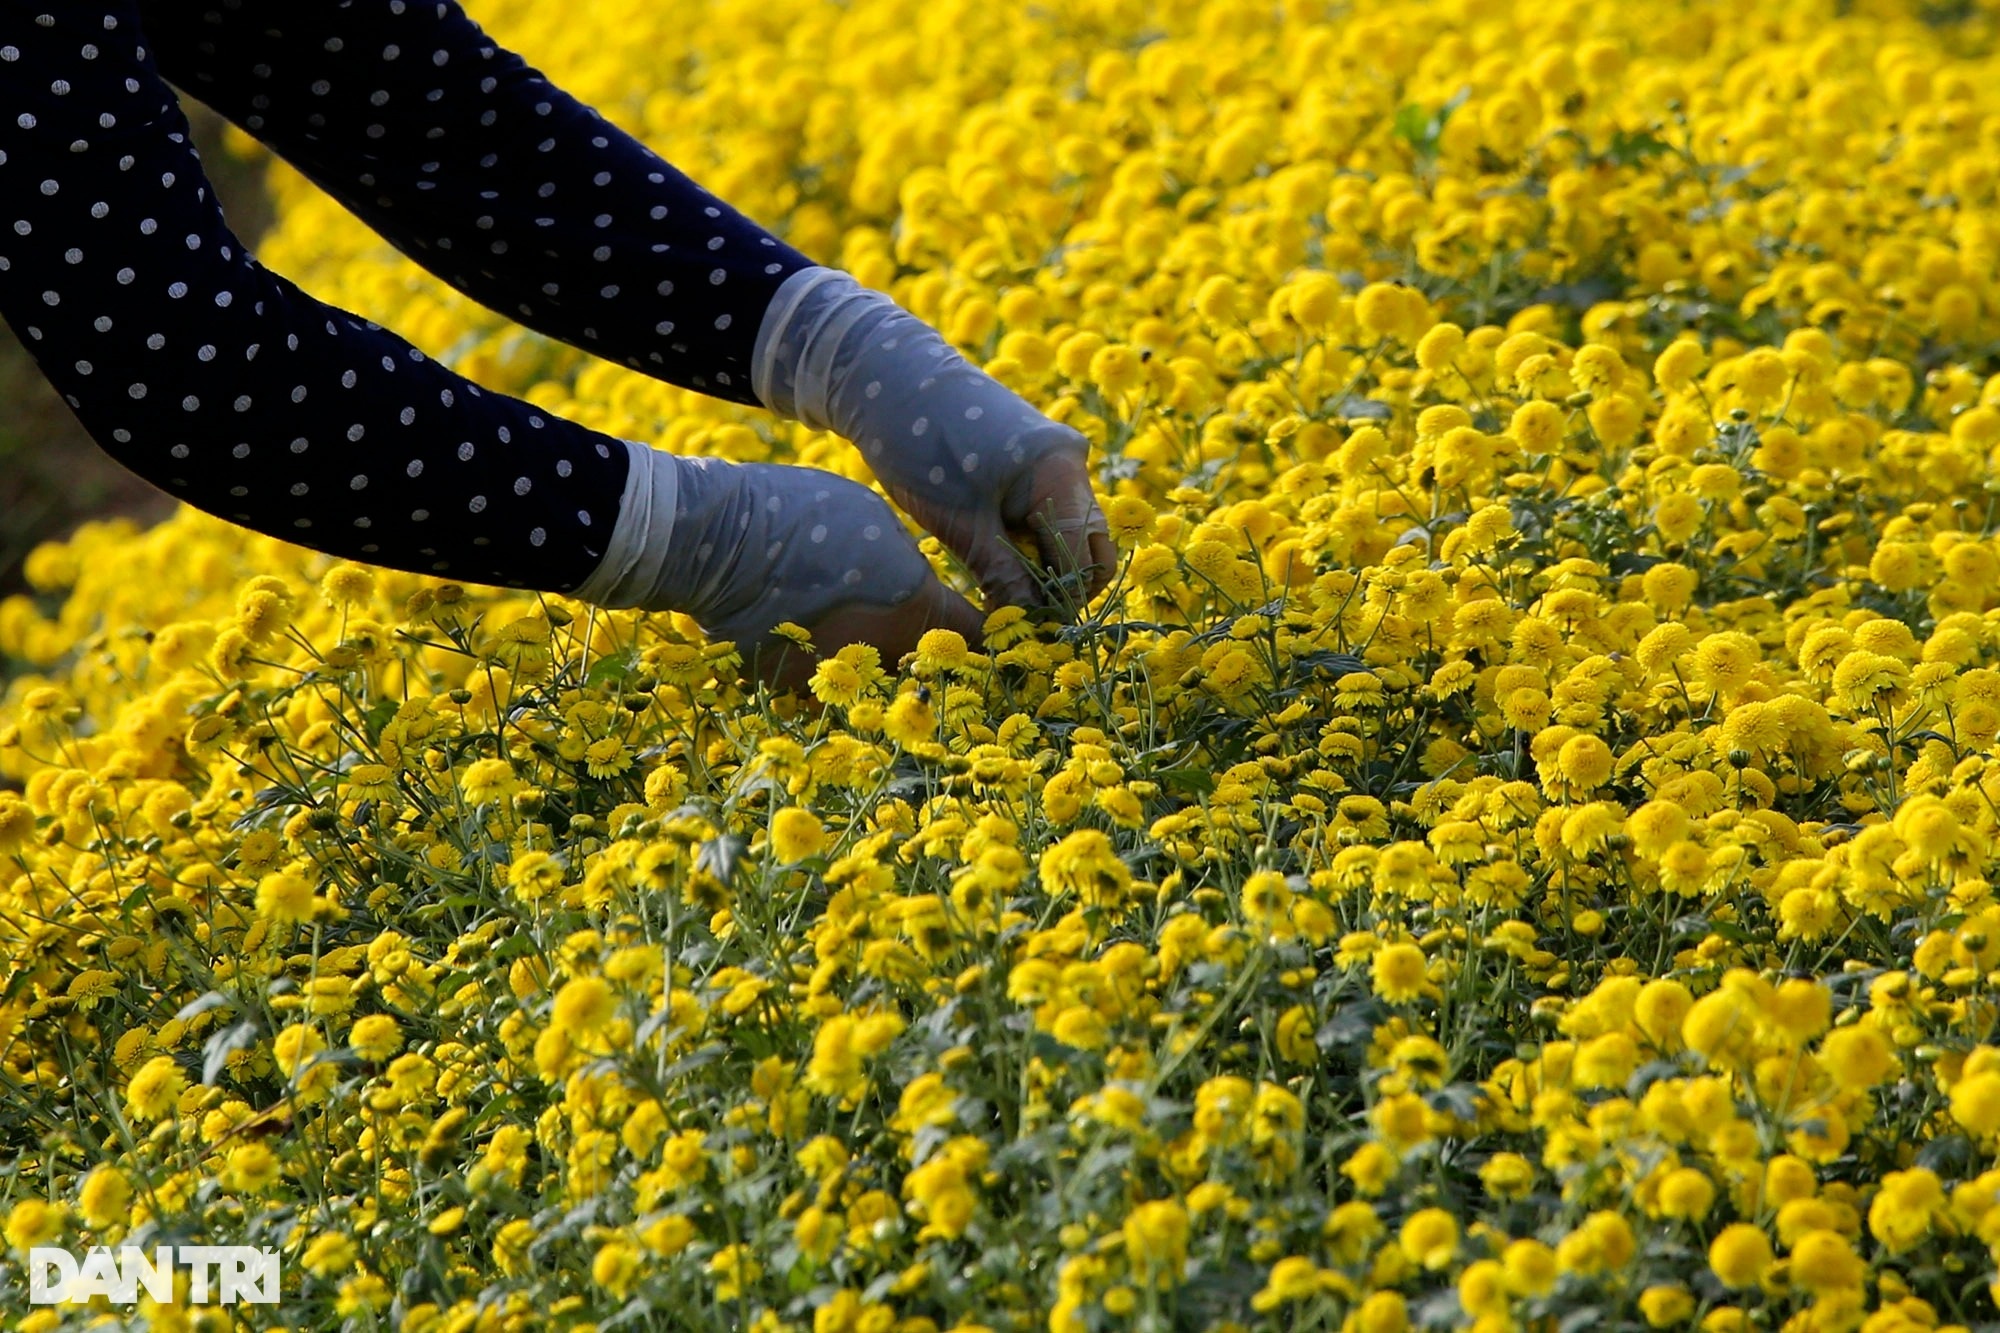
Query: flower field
{"points": [[1512, 849]]}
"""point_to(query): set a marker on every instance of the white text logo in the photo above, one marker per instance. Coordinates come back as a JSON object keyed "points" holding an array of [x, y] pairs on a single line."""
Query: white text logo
{"points": [[224, 1274]]}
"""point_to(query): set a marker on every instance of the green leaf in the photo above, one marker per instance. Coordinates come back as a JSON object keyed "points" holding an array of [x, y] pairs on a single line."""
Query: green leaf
{"points": [[720, 857], [1457, 1099], [218, 1047], [214, 999], [1198, 781], [613, 669], [379, 715], [1629, 148], [1422, 128], [1413, 125], [1633, 562], [1952, 1153]]}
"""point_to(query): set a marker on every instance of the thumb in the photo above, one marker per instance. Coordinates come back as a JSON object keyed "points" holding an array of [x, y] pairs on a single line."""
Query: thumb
{"points": [[1004, 576], [892, 630], [945, 609], [1073, 537], [1068, 527]]}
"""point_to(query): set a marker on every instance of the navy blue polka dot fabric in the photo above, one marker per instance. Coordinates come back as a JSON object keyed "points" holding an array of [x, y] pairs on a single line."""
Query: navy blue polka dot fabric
{"points": [[228, 386]]}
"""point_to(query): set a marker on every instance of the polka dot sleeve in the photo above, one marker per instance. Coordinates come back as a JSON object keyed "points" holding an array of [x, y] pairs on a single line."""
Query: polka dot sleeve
{"points": [[224, 383], [474, 165]]}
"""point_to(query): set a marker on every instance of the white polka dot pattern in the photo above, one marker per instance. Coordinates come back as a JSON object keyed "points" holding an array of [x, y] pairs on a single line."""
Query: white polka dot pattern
{"points": [[229, 387], [481, 170]]}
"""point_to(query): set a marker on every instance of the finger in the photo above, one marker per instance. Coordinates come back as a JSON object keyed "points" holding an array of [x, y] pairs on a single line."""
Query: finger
{"points": [[950, 611], [1071, 533], [895, 630], [781, 664], [1067, 540], [978, 537], [1053, 504], [1003, 573], [937, 607], [1104, 559]]}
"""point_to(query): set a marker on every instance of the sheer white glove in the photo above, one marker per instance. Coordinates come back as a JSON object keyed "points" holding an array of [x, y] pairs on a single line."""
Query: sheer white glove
{"points": [[744, 547], [967, 457]]}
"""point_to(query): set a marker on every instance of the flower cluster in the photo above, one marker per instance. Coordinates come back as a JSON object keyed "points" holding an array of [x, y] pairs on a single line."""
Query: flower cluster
{"points": [[1514, 848]]}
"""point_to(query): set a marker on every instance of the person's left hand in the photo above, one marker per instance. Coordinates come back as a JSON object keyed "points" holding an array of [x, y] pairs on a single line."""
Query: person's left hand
{"points": [[745, 547]]}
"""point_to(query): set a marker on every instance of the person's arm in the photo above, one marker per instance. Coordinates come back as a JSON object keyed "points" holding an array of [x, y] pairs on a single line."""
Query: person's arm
{"points": [[472, 163], [229, 387]]}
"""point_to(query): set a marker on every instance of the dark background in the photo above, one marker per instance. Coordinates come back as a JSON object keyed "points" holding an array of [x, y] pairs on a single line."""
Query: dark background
{"points": [[52, 476]]}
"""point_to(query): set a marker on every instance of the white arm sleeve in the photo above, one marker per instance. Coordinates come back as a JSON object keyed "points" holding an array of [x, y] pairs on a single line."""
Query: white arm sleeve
{"points": [[933, 426], [743, 547]]}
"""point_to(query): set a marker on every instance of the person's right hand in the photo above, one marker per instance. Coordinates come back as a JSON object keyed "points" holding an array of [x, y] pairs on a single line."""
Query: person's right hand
{"points": [[745, 547], [968, 458], [1038, 497]]}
